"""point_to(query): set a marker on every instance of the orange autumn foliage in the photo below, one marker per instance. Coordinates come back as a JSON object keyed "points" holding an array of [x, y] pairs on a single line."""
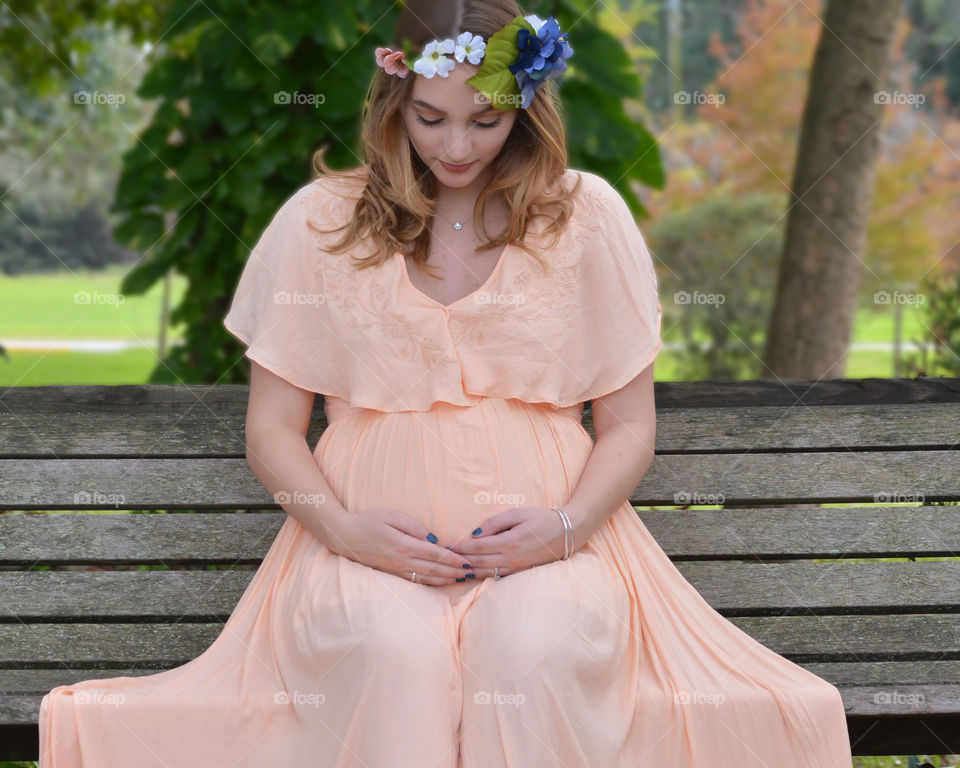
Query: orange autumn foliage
{"points": [[747, 142]]}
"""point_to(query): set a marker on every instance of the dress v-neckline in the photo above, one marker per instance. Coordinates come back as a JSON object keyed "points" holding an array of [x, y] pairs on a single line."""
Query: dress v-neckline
{"points": [[447, 307]]}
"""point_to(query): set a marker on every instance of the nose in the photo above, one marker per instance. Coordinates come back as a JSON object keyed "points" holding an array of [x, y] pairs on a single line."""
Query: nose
{"points": [[458, 146]]}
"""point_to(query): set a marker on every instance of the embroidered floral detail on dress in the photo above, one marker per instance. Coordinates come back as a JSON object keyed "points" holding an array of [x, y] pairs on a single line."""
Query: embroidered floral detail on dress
{"points": [[533, 295], [363, 296]]}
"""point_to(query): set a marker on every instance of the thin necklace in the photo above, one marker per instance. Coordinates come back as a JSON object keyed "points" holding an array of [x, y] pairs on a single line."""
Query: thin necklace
{"points": [[457, 225]]}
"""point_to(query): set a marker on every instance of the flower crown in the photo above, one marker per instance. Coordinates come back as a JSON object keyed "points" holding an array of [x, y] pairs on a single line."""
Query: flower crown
{"points": [[523, 55]]}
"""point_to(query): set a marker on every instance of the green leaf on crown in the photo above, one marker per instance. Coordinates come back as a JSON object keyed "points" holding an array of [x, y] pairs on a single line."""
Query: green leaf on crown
{"points": [[493, 79]]}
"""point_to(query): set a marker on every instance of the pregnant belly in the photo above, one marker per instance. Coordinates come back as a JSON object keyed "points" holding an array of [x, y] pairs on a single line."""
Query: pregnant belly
{"points": [[452, 467]]}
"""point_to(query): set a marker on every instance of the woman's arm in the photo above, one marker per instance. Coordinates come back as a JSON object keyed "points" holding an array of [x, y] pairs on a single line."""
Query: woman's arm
{"points": [[625, 423], [278, 415]]}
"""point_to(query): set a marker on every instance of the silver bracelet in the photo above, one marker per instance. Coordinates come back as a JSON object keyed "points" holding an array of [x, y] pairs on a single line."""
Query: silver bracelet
{"points": [[567, 533]]}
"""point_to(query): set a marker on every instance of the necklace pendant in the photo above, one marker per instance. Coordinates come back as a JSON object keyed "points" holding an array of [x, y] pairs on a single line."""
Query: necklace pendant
{"points": [[458, 226]]}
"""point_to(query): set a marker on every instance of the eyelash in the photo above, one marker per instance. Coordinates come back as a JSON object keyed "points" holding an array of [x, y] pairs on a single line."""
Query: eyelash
{"points": [[494, 124]]}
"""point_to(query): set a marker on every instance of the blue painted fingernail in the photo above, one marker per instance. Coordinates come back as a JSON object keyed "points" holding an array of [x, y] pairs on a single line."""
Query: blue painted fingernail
{"points": [[478, 531], [467, 565], [471, 575], [450, 548], [431, 538], [460, 579]]}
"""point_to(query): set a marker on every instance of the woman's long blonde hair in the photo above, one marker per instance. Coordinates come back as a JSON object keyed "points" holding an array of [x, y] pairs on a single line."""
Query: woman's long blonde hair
{"points": [[398, 200]]}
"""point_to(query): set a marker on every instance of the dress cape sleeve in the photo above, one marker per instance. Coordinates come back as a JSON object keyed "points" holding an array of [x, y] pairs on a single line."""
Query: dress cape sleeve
{"points": [[279, 309], [617, 317], [370, 338], [580, 332]]}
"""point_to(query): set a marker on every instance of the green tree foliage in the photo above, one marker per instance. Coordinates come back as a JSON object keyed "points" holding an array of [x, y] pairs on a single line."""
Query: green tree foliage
{"points": [[722, 316], [940, 341], [47, 42]]}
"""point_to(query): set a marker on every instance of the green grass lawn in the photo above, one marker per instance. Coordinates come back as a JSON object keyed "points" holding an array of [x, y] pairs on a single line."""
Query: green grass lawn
{"points": [[80, 305], [86, 305]]}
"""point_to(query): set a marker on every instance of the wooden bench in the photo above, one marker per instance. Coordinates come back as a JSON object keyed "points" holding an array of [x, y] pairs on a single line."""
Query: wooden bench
{"points": [[886, 633]]}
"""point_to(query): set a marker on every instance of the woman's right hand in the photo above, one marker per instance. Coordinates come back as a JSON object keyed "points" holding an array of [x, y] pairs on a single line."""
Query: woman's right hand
{"points": [[394, 542]]}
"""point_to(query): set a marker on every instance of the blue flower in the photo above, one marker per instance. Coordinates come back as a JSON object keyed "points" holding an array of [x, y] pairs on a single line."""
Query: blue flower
{"points": [[541, 56]]}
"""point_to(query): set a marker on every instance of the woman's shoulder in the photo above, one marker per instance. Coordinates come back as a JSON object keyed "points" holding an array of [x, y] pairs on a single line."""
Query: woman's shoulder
{"points": [[593, 197], [590, 183], [347, 184], [327, 198]]}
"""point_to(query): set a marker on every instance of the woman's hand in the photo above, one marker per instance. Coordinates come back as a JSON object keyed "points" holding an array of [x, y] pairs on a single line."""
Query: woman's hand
{"points": [[394, 542], [513, 540]]}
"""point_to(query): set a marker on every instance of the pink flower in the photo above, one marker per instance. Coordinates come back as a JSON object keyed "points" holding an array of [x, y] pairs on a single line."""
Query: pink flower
{"points": [[393, 62]]}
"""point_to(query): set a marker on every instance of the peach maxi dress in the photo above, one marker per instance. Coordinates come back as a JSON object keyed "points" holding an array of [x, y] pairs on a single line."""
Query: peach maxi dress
{"points": [[451, 414]]}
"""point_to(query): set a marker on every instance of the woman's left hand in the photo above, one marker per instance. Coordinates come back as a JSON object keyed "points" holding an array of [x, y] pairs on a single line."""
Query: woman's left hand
{"points": [[513, 540]]}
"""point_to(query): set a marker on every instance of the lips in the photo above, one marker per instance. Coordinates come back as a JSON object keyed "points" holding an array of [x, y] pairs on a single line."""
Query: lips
{"points": [[455, 168]]}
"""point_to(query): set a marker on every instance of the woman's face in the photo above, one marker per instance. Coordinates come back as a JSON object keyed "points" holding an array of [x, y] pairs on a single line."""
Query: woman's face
{"points": [[451, 122]]}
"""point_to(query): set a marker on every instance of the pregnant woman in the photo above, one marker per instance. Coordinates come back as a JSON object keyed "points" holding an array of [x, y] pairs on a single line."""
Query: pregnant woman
{"points": [[460, 580]]}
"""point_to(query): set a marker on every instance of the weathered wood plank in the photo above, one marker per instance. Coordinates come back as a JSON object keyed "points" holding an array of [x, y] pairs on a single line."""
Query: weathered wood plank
{"points": [[51, 538], [116, 595], [787, 392], [672, 394], [873, 476], [56, 647], [887, 673], [858, 428], [200, 432], [809, 478], [733, 588], [802, 639], [762, 533], [180, 422], [151, 420]]}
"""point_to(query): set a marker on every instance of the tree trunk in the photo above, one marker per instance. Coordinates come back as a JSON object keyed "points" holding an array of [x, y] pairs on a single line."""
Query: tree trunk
{"points": [[818, 284]]}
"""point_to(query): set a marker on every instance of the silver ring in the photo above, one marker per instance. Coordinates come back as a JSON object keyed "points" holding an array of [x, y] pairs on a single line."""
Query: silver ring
{"points": [[413, 577], [496, 573]]}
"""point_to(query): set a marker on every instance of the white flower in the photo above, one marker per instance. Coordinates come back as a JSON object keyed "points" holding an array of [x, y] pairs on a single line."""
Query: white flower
{"points": [[535, 21], [470, 46], [434, 61]]}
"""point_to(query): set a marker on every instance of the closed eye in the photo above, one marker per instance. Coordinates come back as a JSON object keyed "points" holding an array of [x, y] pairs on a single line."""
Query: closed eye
{"points": [[494, 124]]}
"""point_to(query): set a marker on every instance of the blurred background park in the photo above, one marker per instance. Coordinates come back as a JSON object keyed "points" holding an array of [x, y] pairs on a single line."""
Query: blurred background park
{"points": [[800, 228], [146, 145]]}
